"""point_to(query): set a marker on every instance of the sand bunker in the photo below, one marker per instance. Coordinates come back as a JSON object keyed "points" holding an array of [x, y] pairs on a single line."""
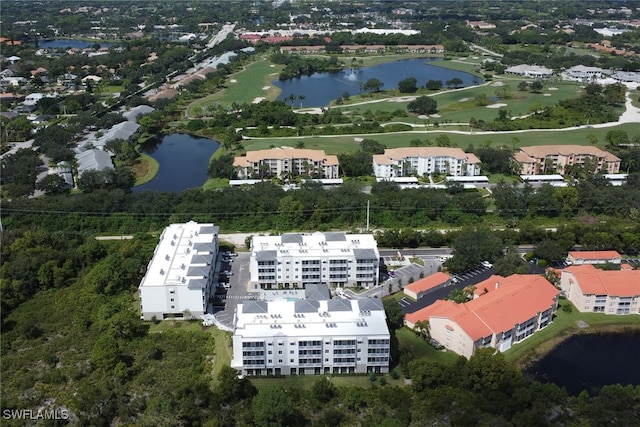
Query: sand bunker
{"points": [[547, 94], [553, 88], [498, 84], [435, 116], [258, 99], [496, 105], [233, 81], [464, 99], [402, 99], [266, 87]]}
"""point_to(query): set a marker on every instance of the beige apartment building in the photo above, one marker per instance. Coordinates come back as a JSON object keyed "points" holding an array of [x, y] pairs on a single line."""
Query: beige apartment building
{"points": [[279, 162], [505, 311], [543, 159], [593, 290]]}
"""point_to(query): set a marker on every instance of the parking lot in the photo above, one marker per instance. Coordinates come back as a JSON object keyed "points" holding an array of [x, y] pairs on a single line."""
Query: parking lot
{"points": [[467, 278], [225, 300]]}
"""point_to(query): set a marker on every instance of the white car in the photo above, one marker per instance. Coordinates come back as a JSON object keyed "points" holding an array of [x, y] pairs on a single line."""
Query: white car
{"points": [[486, 264]]}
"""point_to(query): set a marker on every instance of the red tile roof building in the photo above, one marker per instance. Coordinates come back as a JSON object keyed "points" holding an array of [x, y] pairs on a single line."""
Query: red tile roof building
{"points": [[602, 291], [418, 289], [594, 257], [511, 309]]}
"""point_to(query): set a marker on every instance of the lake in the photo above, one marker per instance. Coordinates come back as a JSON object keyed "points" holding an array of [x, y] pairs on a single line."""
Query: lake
{"points": [[69, 43], [591, 361], [320, 89], [183, 159]]}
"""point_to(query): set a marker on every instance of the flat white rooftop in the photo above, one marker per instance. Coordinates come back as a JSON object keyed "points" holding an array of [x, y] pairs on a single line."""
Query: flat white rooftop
{"points": [[362, 246], [184, 256], [311, 318]]}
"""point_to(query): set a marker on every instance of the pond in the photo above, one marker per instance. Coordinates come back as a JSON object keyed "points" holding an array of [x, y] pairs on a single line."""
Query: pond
{"points": [[70, 43], [183, 159], [589, 362], [320, 89]]}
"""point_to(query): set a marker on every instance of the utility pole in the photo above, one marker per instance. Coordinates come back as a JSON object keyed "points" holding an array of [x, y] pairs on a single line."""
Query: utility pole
{"points": [[367, 215]]}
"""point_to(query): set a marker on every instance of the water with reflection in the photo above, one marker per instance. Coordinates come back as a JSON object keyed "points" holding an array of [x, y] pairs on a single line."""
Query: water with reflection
{"points": [[589, 362], [183, 159], [320, 89], [70, 43]]}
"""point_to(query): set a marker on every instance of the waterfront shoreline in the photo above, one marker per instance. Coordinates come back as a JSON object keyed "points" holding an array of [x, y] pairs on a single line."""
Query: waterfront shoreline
{"points": [[528, 359]]}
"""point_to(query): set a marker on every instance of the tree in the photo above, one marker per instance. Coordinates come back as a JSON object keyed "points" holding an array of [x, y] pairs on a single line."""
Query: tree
{"points": [[536, 86], [408, 85], [373, 85], [53, 184], [471, 246], [322, 391], [222, 167], [372, 146], [423, 105], [616, 137], [106, 352], [433, 85], [354, 164], [510, 263], [230, 388], [422, 327], [273, 407], [550, 250], [394, 313], [455, 82]]}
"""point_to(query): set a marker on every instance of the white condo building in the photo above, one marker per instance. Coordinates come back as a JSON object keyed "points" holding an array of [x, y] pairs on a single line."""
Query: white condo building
{"points": [[295, 260], [311, 337], [180, 274], [407, 161]]}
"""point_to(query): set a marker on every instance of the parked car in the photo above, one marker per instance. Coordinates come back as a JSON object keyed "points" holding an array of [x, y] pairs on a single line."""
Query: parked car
{"points": [[486, 264]]}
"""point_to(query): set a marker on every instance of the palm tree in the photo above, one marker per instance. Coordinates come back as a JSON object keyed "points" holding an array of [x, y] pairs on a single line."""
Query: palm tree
{"points": [[422, 326], [301, 98]]}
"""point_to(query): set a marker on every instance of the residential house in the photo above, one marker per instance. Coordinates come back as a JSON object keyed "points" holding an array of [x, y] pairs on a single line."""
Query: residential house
{"points": [[93, 160]]}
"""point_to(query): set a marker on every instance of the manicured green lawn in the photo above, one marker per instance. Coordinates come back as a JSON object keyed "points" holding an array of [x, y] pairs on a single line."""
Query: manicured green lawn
{"points": [[346, 143], [145, 168], [420, 348], [214, 183], [245, 86]]}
